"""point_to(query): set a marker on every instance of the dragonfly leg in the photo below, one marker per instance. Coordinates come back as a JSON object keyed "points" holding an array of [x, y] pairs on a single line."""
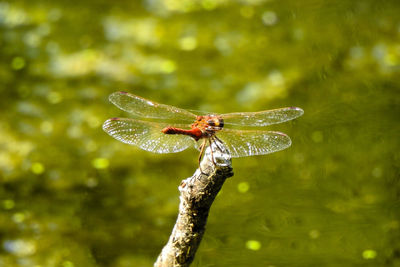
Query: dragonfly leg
{"points": [[216, 143], [202, 147], [211, 151]]}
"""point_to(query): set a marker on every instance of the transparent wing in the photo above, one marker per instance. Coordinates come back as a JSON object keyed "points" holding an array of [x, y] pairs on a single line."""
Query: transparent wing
{"points": [[252, 142], [262, 118], [144, 108], [147, 135]]}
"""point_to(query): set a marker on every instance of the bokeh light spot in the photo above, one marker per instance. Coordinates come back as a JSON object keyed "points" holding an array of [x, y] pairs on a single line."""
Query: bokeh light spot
{"points": [[276, 78], [168, 66], [377, 172], [54, 14], [243, 187], [18, 217], [17, 63], [253, 245], [369, 254], [54, 97], [94, 121], [100, 163], [46, 127], [20, 247], [68, 264], [37, 168], [269, 18], [91, 182], [32, 39], [314, 234], [91, 146], [188, 43], [8, 204], [12, 16], [247, 11], [209, 4]]}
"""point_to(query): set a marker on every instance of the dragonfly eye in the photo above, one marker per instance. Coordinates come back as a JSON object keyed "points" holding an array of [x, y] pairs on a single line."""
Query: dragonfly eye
{"points": [[211, 122], [221, 123], [216, 122]]}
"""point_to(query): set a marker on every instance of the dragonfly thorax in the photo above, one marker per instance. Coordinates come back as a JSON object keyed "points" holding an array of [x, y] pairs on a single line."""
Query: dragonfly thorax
{"points": [[208, 124]]}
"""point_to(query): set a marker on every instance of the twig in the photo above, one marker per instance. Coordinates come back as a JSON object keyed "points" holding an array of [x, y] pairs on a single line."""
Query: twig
{"points": [[197, 194]]}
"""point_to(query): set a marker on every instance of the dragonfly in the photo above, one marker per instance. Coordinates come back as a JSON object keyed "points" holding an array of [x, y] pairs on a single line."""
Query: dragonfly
{"points": [[161, 128]]}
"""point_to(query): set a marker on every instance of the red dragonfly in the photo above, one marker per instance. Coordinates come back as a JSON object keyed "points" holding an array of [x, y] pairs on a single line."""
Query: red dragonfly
{"points": [[162, 128]]}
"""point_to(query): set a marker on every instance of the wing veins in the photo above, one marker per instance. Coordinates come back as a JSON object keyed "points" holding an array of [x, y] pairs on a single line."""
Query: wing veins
{"points": [[144, 108], [262, 118], [147, 135], [242, 143]]}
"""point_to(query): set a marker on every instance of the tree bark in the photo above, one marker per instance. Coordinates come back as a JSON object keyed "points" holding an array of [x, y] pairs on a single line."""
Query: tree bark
{"points": [[197, 194]]}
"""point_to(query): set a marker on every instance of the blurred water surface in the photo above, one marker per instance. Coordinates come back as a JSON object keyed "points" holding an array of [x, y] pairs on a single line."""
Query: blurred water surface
{"points": [[70, 195]]}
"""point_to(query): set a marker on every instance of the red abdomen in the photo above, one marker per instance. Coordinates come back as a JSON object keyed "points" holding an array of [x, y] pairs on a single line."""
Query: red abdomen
{"points": [[195, 133]]}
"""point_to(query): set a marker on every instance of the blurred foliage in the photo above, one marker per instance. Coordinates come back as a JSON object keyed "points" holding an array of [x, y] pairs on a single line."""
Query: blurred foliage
{"points": [[71, 195]]}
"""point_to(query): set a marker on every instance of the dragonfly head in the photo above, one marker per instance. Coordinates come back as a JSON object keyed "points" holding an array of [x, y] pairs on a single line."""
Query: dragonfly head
{"points": [[209, 124], [215, 121]]}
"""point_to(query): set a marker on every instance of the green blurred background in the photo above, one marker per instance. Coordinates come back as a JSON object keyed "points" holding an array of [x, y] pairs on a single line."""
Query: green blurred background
{"points": [[73, 196]]}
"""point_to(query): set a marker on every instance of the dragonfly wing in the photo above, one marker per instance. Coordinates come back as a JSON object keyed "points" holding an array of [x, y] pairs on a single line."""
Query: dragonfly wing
{"points": [[146, 135], [242, 143], [262, 118], [144, 108]]}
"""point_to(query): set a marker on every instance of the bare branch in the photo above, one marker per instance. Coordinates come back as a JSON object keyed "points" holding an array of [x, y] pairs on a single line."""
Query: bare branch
{"points": [[197, 194]]}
